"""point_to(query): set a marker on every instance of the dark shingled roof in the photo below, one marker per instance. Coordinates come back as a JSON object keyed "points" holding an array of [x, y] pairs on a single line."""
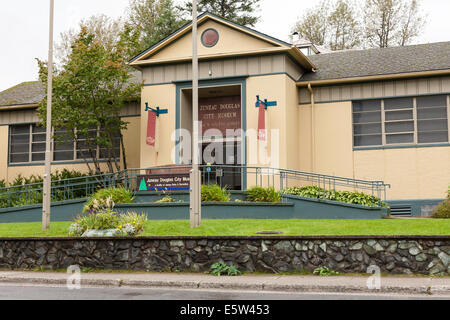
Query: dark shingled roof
{"points": [[33, 92], [24, 93], [373, 62]]}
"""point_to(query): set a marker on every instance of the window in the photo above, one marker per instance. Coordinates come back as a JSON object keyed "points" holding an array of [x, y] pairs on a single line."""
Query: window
{"points": [[401, 121], [27, 145]]}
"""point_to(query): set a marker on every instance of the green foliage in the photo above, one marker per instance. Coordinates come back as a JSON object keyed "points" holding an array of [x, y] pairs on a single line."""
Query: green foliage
{"points": [[25, 191], [443, 210], [105, 219], [260, 194], [2, 184], [102, 82], [167, 199], [340, 196], [152, 21], [325, 272], [220, 268], [117, 194], [101, 220], [242, 12], [214, 193]]}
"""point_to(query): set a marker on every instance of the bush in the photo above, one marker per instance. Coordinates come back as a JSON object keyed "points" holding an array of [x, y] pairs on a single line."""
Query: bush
{"points": [[221, 268], [260, 194], [28, 191], [340, 196], [117, 195], [214, 193], [443, 210], [106, 218]]}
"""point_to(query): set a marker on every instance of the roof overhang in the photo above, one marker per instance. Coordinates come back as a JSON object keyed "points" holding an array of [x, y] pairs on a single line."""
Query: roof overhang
{"points": [[396, 76], [19, 107]]}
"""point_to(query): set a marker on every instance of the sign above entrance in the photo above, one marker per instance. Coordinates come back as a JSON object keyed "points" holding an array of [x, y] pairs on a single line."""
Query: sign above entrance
{"points": [[221, 114]]}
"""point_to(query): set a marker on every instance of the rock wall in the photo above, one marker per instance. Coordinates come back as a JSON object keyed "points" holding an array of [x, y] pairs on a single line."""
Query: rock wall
{"points": [[396, 255]]}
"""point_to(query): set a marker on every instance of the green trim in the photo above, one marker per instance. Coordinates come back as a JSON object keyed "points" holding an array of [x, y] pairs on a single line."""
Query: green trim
{"points": [[203, 34], [402, 147], [221, 78], [206, 83]]}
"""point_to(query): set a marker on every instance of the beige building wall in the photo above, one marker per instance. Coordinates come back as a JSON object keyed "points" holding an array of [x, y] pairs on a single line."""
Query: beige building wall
{"points": [[272, 88], [131, 140], [413, 173], [163, 96], [230, 41]]}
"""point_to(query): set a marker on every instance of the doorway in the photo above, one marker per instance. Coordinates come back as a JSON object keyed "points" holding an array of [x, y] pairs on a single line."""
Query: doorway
{"points": [[221, 136]]}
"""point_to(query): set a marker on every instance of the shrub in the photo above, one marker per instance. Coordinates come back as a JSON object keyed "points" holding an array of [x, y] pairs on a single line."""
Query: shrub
{"points": [[340, 196], [166, 199], [443, 210], [260, 194], [129, 224], [220, 268], [325, 272], [117, 195], [214, 193]]}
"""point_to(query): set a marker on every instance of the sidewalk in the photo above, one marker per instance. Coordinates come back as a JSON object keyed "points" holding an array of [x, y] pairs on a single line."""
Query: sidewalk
{"points": [[274, 283]]}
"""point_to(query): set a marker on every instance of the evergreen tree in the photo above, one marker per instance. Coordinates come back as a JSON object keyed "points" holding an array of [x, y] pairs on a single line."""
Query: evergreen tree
{"points": [[242, 12]]}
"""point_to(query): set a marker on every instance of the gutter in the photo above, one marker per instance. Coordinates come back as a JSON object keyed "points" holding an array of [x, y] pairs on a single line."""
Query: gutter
{"points": [[313, 138], [420, 74], [19, 107]]}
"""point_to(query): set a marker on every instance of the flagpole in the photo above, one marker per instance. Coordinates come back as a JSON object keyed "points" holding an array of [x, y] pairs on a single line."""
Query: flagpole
{"points": [[46, 205], [195, 177]]}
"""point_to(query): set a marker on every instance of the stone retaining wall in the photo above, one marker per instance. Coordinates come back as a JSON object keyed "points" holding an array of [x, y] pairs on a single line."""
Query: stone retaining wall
{"points": [[396, 255]]}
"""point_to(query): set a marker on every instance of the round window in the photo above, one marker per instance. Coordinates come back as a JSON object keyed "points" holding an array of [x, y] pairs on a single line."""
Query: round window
{"points": [[210, 37]]}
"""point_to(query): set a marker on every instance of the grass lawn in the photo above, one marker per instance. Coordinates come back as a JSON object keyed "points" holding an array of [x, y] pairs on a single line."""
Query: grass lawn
{"points": [[250, 227]]}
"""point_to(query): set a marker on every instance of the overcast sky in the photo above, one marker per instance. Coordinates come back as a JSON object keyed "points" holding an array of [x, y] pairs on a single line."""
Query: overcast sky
{"points": [[24, 27]]}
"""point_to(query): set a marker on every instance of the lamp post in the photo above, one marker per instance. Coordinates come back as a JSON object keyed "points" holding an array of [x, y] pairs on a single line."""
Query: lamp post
{"points": [[195, 176], [48, 153]]}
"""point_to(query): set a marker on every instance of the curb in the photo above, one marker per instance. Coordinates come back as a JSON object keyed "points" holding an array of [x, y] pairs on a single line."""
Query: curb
{"points": [[419, 290]]}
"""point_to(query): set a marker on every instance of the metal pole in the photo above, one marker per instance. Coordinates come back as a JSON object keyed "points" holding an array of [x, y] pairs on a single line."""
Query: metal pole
{"points": [[47, 174], [195, 177]]}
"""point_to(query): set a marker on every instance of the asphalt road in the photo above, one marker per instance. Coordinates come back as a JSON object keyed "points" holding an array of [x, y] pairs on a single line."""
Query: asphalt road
{"points": [[27, 292]]}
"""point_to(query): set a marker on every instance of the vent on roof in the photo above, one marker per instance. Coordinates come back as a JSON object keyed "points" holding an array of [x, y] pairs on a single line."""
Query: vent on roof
{"points": [[401, 210]]}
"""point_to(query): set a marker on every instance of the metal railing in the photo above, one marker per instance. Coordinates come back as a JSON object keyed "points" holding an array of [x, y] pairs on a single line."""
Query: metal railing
{"points": [[233, 177]]}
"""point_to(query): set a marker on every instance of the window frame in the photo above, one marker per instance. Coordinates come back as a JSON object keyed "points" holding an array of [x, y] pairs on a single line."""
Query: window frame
{"points": [[415, 120], [30, 152]]}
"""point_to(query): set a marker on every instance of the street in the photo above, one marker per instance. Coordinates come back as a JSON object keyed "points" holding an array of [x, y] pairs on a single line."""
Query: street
{"points": [[29, 292]]}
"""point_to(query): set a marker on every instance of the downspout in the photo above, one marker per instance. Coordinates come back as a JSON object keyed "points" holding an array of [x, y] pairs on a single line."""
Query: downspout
{"points": [[313, 138]]}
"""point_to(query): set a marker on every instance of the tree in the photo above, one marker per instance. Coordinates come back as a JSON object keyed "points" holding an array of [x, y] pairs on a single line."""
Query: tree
{"points": [[239, 11], [106, 30], [153, 20], [345, 29], [89, 91], [392, 22], [313, 25]]}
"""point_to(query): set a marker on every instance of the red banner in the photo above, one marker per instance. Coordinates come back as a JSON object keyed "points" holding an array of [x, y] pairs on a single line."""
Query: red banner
{"points": [[262, 123], [151, 128]]}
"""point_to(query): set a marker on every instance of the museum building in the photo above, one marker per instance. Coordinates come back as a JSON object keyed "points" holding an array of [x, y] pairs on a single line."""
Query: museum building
{"points": [[377, 114]]}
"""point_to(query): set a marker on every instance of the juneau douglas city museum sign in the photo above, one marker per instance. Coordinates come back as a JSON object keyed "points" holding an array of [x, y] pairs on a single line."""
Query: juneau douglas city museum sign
{"points": [[161, 182], [220, 113]]}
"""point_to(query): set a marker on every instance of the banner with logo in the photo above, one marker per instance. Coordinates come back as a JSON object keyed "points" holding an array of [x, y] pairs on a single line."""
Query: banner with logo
{"points": [[262, 123], [151, 129]]}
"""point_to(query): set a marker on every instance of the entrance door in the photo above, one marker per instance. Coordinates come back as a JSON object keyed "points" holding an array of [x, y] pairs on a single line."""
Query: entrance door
{"points": [[225, 165]]}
